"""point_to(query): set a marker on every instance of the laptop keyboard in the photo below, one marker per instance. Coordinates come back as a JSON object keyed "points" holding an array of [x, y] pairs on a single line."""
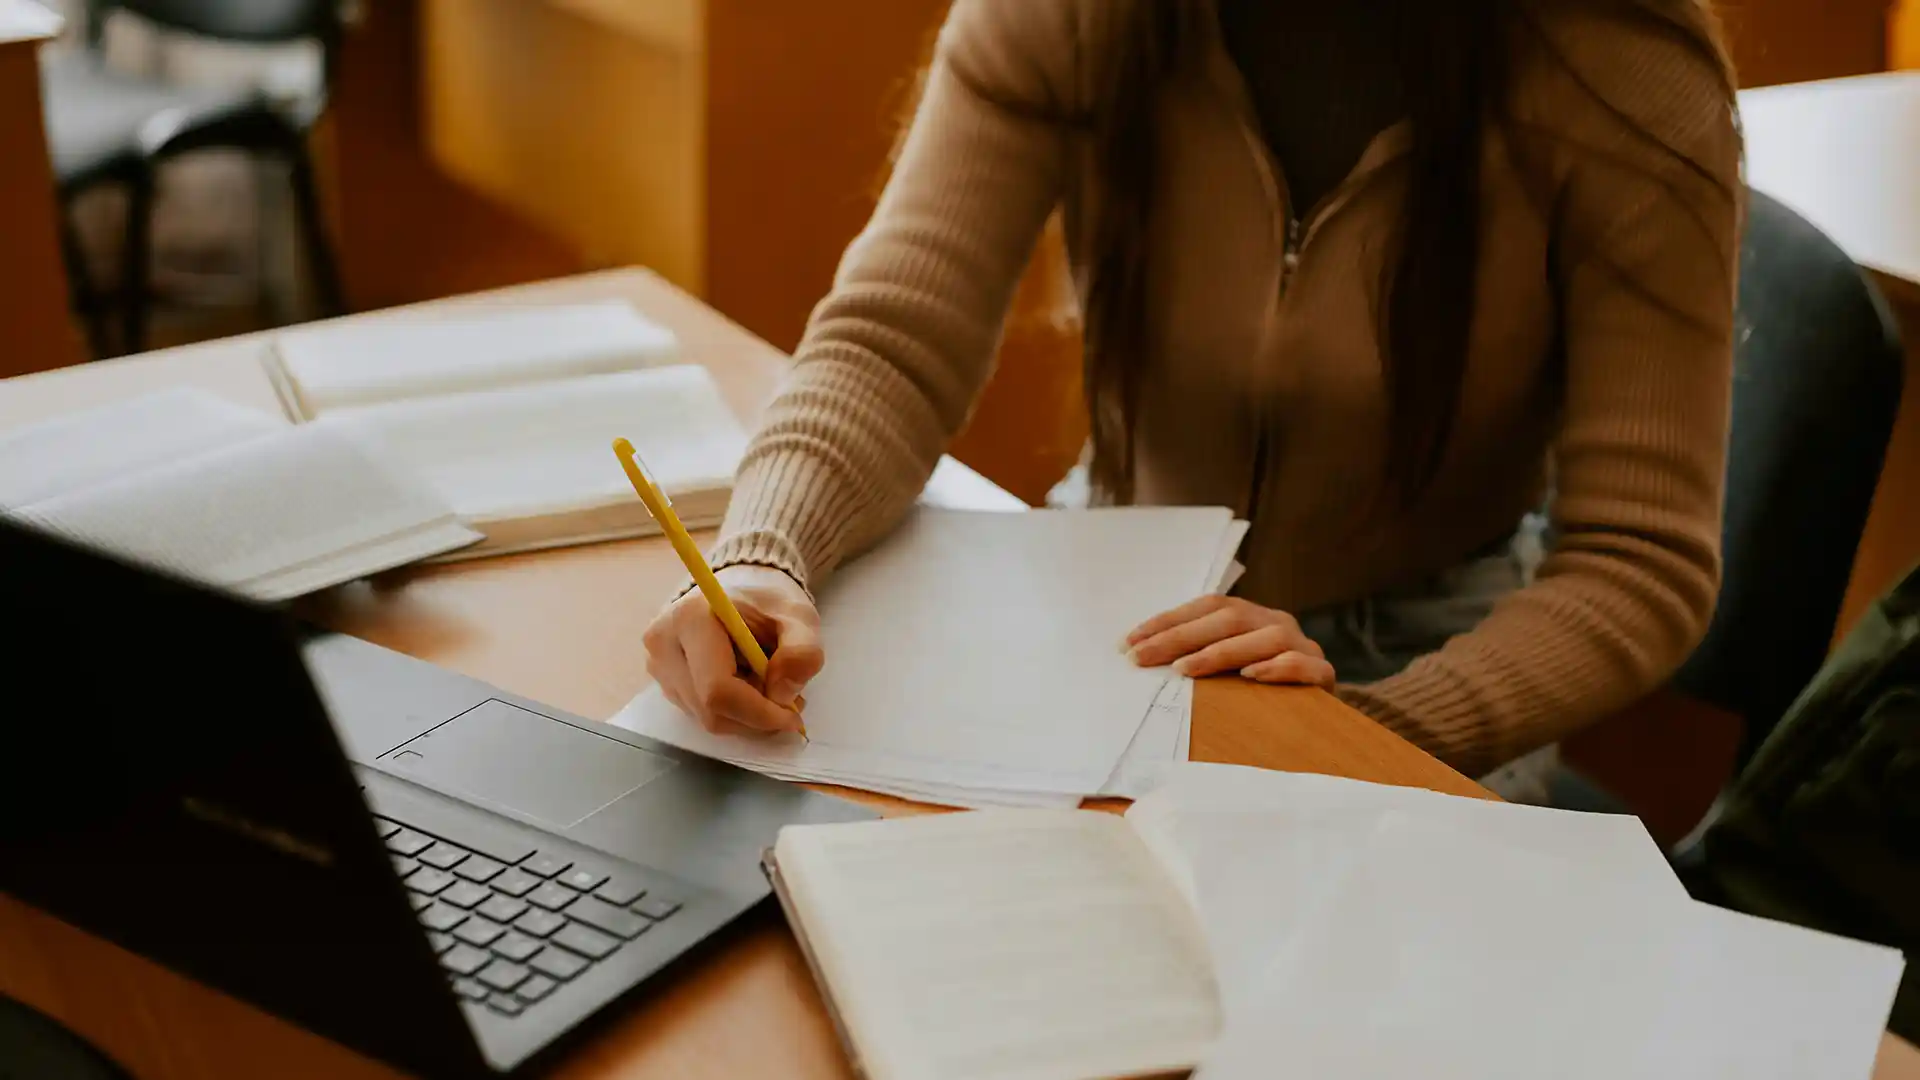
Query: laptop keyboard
{"points": [[510, 924]]}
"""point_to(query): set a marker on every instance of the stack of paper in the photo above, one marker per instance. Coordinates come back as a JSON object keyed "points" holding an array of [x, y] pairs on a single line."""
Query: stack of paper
{"points": [[1370, 932], [973, 659]]}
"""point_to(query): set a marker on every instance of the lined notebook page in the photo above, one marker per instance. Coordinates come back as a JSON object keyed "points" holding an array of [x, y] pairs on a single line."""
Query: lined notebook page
{"points": [[535, 450], [1002, 944], [68, 453], [247, 515], [368, 361]]}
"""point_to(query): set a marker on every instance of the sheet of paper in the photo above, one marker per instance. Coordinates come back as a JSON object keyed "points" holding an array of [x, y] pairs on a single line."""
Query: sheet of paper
{"points": [[253, 517], [78, 450], [1004, 945], [1449, 955], [1156, 746], [363, 362], [529, 451], [1164, 734], [953, 486], [1258, 848], [980, 649], [961, 798]]}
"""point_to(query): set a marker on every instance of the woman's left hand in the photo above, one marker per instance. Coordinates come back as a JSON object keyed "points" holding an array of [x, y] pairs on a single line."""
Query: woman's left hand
{"points": [[1224, 633]]}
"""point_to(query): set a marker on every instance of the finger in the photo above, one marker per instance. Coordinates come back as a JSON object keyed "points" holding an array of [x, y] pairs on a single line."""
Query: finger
{"points": [[1167, 620], [797, 658], [669, 671], [1169, 645], [1237, 652], [720, 695], [1293, 667]]}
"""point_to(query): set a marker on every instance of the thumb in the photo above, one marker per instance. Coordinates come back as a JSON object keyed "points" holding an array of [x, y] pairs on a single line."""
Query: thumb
{"points": [[797, 657]]}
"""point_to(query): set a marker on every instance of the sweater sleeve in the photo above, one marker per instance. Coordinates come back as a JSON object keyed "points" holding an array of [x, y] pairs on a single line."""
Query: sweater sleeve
{"points": [[1647, 282], [894, 357]]}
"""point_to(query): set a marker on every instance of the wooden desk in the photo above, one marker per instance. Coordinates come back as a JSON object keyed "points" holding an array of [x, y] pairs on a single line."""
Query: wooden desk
{"points": [[33, 280], [1846, 153], [565, 627]]}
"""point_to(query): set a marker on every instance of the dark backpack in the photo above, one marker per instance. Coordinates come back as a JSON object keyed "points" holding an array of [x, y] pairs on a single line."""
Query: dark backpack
{"points": [[1822, 828]]}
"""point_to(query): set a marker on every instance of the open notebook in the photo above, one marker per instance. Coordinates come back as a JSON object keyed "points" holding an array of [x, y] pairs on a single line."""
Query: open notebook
{"points": [[221, 493], [509, 414], [1266, 924]]}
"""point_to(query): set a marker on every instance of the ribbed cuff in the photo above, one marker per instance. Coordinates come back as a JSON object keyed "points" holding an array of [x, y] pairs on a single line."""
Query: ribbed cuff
{"points": [[761, 547], [1463, 740]]}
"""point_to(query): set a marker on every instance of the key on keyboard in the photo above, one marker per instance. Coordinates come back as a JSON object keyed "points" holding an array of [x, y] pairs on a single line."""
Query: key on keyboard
{"points": [[558, 963], [478, 931], [604, 916], [464, 894], [478, 868], [540, 923], [514, 882], [586, 941], [545, 864], [464, 959], [502, 908], [516, 946], [553, 896], [442, 855]]}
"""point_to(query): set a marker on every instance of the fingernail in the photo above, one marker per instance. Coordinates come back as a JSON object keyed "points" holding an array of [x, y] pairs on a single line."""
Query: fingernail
{"points": [[1182, 667], [782, 692], [1133, 655], [1126, 644]]}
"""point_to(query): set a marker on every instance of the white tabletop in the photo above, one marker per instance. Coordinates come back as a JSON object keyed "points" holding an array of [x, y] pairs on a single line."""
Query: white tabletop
{"points": [[1846, 153], [27, 20]]}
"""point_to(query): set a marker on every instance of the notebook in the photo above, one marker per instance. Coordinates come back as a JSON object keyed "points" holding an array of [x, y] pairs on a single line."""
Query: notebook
{"points": [[1070, 944], [208, 489], [405, 357], [509, 415]]}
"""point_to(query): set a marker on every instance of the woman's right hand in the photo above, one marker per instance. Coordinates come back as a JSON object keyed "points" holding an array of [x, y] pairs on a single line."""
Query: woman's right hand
{"points": [[693, 659]]}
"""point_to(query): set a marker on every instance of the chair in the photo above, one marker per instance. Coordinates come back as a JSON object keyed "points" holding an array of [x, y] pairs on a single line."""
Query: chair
{"points": [[106, 127], [1816, 383]]}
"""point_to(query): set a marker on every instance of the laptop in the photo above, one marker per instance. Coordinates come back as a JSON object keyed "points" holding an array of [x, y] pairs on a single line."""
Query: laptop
{"points": [[440, 874]]}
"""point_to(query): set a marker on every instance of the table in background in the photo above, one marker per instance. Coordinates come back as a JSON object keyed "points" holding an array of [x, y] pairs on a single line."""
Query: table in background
{"points": [[35, 332], [1846, 154], [564, 627]]}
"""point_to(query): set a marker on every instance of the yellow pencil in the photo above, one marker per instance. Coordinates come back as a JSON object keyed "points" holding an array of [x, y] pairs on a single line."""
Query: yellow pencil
{"points": [[717, 599]]}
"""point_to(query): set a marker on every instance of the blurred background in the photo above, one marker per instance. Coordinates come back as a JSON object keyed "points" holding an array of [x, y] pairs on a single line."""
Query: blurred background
{"points": [[732, 145]]}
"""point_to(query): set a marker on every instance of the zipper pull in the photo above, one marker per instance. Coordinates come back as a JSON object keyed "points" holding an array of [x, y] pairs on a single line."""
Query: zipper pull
{"points": [[1289, 252]]}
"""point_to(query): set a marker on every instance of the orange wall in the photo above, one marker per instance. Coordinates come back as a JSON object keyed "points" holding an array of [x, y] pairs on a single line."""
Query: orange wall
{"points": [[1778, 41]]}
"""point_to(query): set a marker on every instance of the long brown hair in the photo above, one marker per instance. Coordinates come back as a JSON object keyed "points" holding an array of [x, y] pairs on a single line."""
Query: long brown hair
{"points": [[1457, 60]]}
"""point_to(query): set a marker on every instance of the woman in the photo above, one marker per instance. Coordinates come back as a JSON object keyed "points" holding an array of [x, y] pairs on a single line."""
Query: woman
{"points": [[1382, 275]]}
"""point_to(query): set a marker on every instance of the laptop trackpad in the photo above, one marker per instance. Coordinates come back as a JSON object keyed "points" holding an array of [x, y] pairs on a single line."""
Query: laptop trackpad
{"points": [[502, 755]]}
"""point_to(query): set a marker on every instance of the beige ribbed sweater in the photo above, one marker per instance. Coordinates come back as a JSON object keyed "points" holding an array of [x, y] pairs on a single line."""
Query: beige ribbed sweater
{"points": [[1265, 370]]}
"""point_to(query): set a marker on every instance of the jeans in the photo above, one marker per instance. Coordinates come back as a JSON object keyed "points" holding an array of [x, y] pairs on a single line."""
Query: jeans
{"points": [[1377, 636]]}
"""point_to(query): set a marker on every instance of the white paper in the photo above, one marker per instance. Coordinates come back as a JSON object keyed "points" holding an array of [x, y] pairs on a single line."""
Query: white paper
{"points": [[67, 453], [367, 361], [953, 486], [1167, 729], [1259, 848], [1156, 746], [979, 649], [1002, 945], [529, 451], [284, 512], [1449, 956]]}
